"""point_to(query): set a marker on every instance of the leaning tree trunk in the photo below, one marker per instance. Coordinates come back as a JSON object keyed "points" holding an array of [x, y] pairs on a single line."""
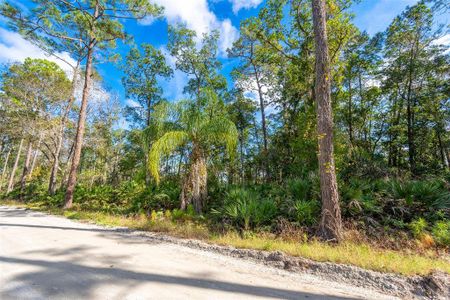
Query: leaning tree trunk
{"points": [[26, 169], [66, 170], [194, 190], [35, 156], [55, 167], [80, 129], [5, 166], [330, 228], [14, 169], [60, 138]]}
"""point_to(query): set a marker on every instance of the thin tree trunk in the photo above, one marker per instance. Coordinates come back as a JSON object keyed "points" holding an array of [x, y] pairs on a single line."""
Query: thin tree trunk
{"points": [[33, 163], [441, 149], [14, 169], [81, 124], [35, 156], [65, 176], [263, 113], [350, 111], [447, 155], [263, 122], [60, 138], [26, 169], [241, 154], [5, 166], [258, 143], [55, 166], [330, 228], [410, 112]]}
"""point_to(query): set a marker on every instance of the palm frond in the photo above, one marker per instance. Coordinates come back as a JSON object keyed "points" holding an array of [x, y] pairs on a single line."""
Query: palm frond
{"points": [[222, 131], [164, 146]]}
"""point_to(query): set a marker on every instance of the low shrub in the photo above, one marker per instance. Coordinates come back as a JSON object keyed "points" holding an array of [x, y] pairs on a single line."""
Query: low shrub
{"points": [[418, 227], [246, 210], [441, 233], [306, 212]]}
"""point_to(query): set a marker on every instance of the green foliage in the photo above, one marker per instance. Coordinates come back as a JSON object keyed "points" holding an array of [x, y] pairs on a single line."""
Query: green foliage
{"points": [[441, 233], [201, 126], [245, 210], [198, 60], [359, 197], [142, 70], [162, 197], [418, 227], [426, 194], [169, 142], [299, 189], [306, 212]]}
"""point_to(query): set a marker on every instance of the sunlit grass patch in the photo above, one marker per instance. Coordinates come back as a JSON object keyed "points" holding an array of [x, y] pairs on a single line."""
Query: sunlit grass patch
{"points": [[361, 255]]}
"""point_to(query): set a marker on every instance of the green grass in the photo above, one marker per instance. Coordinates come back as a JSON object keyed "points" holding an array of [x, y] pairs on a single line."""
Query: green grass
{"points": [[361, 255]]}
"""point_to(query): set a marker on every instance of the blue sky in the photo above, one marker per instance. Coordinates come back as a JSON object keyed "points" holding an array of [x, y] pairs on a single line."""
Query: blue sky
{"points": [[199, 15]]}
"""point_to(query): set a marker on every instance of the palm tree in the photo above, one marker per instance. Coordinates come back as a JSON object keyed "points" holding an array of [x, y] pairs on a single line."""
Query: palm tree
{"points": [[200, 125]]}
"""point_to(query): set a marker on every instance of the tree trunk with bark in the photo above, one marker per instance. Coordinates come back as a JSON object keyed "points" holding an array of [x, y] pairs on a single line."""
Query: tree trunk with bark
{"points": [[441, 149], [350, 112], [35, 156], [60, 138], [66, 170], [330, 228], [262, 108], [241, 156], [410, 108], [81, 124], [14, 169], [55, 166], [26, 169], [194, 190], [5, 166]]}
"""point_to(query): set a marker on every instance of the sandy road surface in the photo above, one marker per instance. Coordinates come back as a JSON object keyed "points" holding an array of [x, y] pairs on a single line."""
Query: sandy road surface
{"points": [[49, 257]]}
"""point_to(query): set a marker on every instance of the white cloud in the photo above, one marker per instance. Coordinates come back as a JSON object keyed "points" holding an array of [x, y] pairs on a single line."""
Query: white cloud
{"points": [[198, 17], [173, 88], [444, 41], [132, 103], [147, 21], [13, 48], [244, 4], [372, 82], [98, 94], [228, 35]]}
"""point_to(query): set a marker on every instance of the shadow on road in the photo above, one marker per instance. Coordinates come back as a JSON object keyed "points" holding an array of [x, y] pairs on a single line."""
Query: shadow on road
{"points": [[121, 235], [71, 278], [118, 230], [68, 279]]}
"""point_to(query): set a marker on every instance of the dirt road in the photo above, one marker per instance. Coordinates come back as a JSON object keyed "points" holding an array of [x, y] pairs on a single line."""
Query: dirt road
{"points": [[49, 257]]}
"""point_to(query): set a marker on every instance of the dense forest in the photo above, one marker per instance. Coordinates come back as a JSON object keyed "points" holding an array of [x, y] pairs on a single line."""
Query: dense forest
{"points": [[321, 131]]}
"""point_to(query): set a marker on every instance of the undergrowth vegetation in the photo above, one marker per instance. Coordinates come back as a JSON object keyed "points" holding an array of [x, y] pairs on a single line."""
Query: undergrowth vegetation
{"points": [[386, 213]]}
